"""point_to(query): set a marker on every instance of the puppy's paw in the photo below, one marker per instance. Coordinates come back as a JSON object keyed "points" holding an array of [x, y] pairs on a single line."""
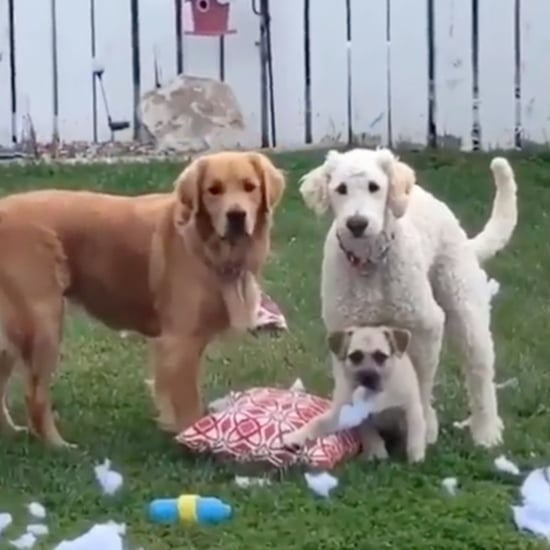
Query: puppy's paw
{"points": [[293, 441], [377, 451]]}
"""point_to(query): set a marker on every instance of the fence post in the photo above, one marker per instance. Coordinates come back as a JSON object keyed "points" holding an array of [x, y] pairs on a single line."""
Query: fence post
{"points": [[136, 69]]}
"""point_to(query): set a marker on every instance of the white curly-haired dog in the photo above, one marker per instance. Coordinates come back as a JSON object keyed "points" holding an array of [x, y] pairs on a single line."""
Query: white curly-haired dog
{"points": [[396, 255]]}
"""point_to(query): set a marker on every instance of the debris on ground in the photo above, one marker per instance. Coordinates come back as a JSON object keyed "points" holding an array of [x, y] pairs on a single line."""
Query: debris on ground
{"points": [[245, 482], [533, 515], [503, 464], [6, 520], [110, 480], [450, 484], [38, 529], [37, 510], [103, 536], [28, 540], [510, 383], [321, 483]]}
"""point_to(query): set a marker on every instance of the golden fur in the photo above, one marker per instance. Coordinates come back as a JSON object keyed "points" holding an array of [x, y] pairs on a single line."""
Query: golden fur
{"points": [[33, 279], [178, 268]]}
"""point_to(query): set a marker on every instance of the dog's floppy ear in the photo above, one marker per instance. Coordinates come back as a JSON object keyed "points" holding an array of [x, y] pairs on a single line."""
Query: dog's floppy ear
{"points": [[338, 343], [398, 339], [273, 179], [402, 179], [187, 185], [187, 189], [314, 185]]}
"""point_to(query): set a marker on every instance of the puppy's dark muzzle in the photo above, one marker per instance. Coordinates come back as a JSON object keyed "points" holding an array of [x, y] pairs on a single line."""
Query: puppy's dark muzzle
{"points": [[369, 380], [236, 223]]}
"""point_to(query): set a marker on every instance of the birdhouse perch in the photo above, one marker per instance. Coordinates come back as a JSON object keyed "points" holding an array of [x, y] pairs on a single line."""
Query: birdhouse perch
{"points": [[210, 17]]}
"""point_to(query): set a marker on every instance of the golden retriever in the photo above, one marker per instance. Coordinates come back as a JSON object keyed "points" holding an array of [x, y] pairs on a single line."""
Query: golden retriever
{"points": [[33, 279], [179, 268]]}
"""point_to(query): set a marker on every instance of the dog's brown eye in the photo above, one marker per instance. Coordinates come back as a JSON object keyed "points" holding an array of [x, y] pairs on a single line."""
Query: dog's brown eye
{"points": [[356, 357], [342, 189], [379, 357], [215, 189], [373, 186], [249, 186]]}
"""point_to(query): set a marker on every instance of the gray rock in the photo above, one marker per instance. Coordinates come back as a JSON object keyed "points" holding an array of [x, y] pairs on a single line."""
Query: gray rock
{"points": [[192, 114]]}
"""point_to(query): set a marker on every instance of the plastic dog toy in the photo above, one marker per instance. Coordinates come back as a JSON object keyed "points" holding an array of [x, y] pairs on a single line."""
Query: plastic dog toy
{"points": [[190, 509]]}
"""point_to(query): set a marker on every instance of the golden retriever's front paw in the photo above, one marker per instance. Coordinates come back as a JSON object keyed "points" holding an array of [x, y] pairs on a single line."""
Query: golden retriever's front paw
{"points": [[62, 444], [166, 425]]}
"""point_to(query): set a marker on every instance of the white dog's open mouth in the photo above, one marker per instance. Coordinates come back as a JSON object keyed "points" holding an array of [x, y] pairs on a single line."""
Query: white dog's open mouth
{"points": [[364, 251]]}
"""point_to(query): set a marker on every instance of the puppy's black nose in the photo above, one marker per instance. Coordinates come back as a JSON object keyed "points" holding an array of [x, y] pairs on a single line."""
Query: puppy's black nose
{"points": [[236, 222], [357, 225], [369, 379]]}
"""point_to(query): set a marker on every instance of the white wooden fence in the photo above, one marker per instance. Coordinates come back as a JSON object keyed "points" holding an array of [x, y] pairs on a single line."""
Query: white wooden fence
{"points": [[447, 72]]}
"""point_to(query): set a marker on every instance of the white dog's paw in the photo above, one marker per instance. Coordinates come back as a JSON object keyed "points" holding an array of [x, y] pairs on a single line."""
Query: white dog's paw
{"points": [[293, 441], [486, 432], [432, 426], [416, 453]]}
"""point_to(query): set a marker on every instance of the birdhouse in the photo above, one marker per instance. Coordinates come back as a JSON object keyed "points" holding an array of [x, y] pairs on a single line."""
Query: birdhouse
{"points": [[210, 17]]}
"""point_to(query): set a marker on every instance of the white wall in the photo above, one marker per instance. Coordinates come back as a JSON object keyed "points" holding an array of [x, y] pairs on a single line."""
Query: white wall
{"points": [[368, 87]]}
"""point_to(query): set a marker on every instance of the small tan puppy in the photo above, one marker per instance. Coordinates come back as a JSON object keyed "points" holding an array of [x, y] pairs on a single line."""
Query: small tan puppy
{"points": [[370, 364]]}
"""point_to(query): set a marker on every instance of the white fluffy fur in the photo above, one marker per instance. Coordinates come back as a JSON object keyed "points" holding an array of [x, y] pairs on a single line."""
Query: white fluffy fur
{"points": [[424, 273]]}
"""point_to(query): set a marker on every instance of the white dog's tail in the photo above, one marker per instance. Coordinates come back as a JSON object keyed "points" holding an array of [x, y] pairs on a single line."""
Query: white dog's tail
{"points": [[498, 230]]}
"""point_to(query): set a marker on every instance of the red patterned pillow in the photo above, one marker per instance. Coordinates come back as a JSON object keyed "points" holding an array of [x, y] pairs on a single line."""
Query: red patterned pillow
{"points": [[249, 426]]}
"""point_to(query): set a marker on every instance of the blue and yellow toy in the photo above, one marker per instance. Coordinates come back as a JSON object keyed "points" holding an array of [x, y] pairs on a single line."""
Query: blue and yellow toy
{"points": [[190, 509]]}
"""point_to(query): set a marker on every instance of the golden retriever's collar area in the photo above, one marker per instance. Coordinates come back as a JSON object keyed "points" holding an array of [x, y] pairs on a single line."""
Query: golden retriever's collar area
{"points": [[227, 259], [227, 271]]}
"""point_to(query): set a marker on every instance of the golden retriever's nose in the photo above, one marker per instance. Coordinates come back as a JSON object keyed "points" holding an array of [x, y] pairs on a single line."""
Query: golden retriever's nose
{"points": [[357, 225], [236, 219]]}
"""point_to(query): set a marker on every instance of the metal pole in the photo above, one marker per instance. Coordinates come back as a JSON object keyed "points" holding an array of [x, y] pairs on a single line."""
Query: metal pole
{"points": [[179, 36], [136, 67], [222, 58], [94, 79], [269, 63], [55, 79], [12, 71], [263, 77]]}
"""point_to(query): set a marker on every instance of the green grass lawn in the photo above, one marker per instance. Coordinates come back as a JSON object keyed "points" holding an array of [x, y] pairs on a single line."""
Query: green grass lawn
{"points": [[104, 407]]}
